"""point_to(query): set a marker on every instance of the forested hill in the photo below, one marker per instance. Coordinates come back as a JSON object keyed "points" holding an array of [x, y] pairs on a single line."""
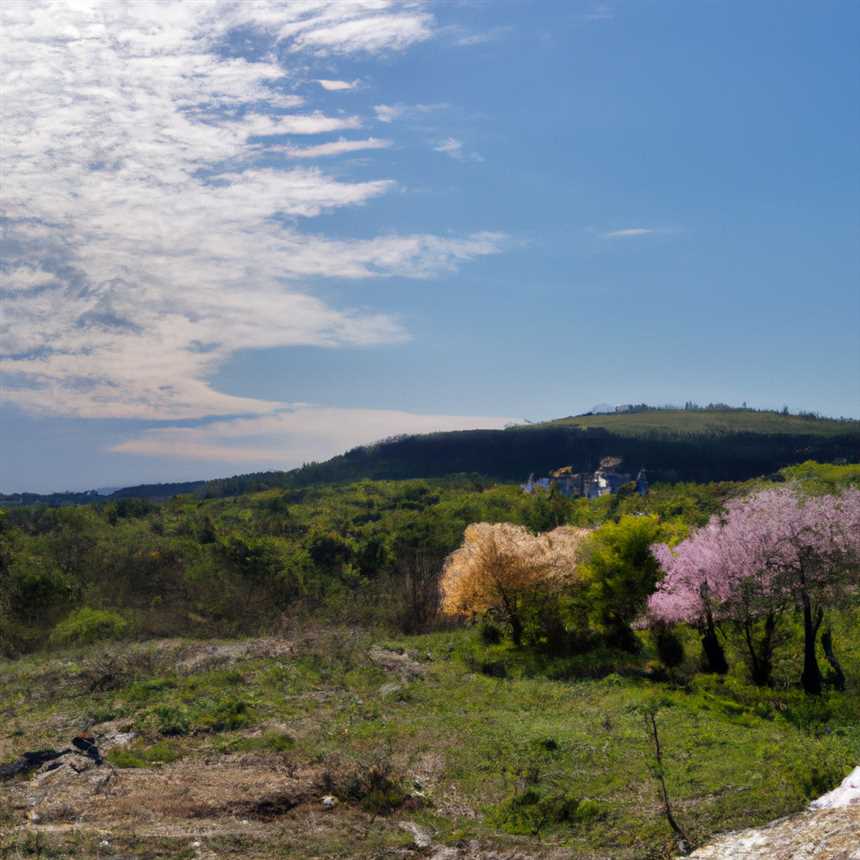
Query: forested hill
{"points": [[673, 445], [676, 445]]}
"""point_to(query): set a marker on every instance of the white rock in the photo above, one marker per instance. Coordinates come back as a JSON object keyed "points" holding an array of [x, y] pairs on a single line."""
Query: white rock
{"points": [[422, 837], [847, 793]]}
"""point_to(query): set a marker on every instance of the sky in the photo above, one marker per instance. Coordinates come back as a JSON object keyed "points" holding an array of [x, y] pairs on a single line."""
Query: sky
{"points": [[238, 236]]}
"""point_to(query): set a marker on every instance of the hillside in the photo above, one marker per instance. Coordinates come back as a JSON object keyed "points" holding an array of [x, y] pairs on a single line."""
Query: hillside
{"points": [[708, 422], [672, 444], [326, 743], [269, 676]]}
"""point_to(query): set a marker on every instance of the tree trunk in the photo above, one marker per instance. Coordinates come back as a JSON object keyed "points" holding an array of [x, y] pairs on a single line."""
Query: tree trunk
{"points": [[681, 839], [713, 656], [766, 652], [516, 629], [811, 676], [761, 655], [837, 677]]}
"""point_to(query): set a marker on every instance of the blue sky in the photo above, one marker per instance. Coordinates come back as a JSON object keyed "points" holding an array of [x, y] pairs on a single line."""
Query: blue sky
{"points": [[240, 236]]}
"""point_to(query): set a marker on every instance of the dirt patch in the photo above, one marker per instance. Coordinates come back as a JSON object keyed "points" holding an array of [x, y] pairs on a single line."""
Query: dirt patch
{"points": [[201, 657], [399, 662]]}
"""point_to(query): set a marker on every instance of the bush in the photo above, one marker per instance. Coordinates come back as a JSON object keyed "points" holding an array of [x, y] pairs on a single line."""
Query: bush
{"points": [[141, 756], [226, 715], [529, 812], [490, 633], [670, 649], [86, 625]]}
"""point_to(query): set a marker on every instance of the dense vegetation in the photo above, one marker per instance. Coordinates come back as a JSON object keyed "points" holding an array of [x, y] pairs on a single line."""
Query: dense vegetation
{"points": [[368, 552], [518, 740]]}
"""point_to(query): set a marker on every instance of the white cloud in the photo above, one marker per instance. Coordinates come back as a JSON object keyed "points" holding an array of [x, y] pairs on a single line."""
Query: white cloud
{"points": [[25, 278], [315, 123], [600, 12], [144, 242], [335, 86], [299, 434], [450, 146], [466, 40], [629, 232], [453, 147], [387, 113], [361, 31], [337, 147]]}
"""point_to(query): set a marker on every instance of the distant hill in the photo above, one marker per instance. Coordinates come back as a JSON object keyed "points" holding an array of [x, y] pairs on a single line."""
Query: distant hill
{"points": [[707, 422], [720, 444], [673, 445]]}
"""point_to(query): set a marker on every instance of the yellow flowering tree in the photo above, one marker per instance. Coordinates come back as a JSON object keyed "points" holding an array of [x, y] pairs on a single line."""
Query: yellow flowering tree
{"points": [[500, 566]]}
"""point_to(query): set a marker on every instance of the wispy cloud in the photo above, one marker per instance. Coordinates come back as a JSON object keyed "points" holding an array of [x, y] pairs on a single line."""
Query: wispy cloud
{"points": [[453, 147], [465, 39], [450, 146], [338, 147], [293, 435], [389, 113], [335, 86], [601, 12], [147, 237], [629, 232]]}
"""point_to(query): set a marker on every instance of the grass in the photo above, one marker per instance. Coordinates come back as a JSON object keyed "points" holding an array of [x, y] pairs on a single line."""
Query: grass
{"points": [[527, 754], [709, 422]]}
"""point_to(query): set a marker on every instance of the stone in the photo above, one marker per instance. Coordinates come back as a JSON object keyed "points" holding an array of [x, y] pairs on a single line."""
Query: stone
{"points": [[390, 689], [816, 834], [421, 836]]}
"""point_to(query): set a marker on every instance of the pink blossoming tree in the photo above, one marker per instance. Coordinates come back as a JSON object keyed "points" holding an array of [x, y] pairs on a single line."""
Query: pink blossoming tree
{"points": [[766, 553]]}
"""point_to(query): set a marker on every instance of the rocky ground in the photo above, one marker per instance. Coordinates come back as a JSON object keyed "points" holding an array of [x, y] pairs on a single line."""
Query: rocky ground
{"points": [[327, 731], [829, 830]]}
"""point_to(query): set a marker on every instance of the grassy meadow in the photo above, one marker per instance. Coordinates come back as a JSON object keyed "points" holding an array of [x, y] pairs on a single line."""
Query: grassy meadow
{"points": [[471, 743]]}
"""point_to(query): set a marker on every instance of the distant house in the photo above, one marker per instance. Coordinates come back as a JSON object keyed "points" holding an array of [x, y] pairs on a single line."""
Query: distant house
{"points": [[589, 485]]}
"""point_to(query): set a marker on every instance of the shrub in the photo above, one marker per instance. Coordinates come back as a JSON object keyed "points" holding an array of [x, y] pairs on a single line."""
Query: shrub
{"points": [[226, 715], [529, 812], [139, 756], [87, 625], [490, 633], [172, 721], [670, 649]]}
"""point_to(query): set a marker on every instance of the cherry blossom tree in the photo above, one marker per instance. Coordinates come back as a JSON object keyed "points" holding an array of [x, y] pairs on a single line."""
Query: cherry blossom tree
{"points": [[808, 551], [694, 590], [765, 553]]}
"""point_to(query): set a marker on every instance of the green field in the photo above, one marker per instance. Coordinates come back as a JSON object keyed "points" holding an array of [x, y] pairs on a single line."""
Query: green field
{"points": [[470, 743], [708, 422]]}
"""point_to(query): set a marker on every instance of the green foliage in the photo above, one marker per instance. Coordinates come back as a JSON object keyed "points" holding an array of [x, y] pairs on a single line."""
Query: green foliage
{"points": [[144, 756], [270, 741], [368, 554], [621, 573], [87, 625], [670, 647], [554, 752], [222, 715], [823, 477], [532, 811]]}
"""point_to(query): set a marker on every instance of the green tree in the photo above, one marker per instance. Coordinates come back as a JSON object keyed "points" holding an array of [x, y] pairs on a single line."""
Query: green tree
{"points": [[620, 573]]}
